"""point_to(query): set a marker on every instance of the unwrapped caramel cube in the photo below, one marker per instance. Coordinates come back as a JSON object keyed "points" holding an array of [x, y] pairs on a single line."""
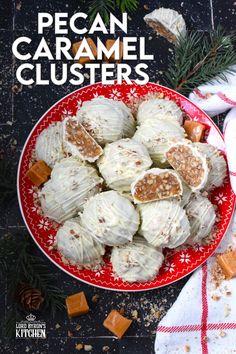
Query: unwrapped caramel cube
{"points": [[92, 45], [77, 305], [39, 173], [195, 131], [109, 44], [227, 262], [116, 323]]}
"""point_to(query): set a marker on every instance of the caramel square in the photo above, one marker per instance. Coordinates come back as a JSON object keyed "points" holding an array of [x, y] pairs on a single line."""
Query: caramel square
{"points": [[92, 45], [77, 305], [195, 131], [39, 173], [109, 44], [116, 323], [227, 262]]}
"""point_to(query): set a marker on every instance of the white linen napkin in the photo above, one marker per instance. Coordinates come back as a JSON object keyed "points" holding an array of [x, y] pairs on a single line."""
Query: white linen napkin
{"points": [[197, 323], [217, 96], [229, 130]]}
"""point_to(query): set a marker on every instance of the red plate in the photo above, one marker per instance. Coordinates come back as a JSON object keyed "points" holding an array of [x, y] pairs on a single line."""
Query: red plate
{"points": [[178, 263]]}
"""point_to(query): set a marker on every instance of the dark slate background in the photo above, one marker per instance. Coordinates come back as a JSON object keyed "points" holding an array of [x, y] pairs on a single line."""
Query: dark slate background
{"points": [[21, 107]]}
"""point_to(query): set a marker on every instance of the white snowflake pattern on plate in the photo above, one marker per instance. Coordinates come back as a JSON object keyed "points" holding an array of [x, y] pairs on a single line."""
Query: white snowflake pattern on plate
{"points": [[184, 258], [66, 112], [132, 93], [220, 198], [114, 276], [115, 95], [43, 224], [169, 267], [198, 248], [50, 239], [100, 272]]}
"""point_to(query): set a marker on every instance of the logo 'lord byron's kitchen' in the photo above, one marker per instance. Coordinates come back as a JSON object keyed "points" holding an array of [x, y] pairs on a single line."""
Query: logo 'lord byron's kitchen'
{"points": [[30, 328]]}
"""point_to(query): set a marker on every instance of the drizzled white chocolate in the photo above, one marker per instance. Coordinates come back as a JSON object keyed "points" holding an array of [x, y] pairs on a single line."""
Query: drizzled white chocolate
{"points": [[106, 120], [167, 22], [158, 136], [72, 183], [76, 245], [164, 223], [202, 216], [156, 184], [136, 261], [122, 162], [49, 144], [157, 108], [186, 195], [110, 218], [216, 163]]}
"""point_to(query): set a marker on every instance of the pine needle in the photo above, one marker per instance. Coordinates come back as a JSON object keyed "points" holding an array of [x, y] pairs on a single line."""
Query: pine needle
{"points": [[200, 57], [105, 7], [127, 5], [14, 314], [21, 266]]}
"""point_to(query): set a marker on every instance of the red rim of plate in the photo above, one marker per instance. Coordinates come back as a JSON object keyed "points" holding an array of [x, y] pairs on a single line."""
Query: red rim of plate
{"points": [[226, 199]]}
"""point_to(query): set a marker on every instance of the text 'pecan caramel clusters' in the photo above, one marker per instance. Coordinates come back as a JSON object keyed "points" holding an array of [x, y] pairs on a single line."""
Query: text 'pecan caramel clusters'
{"points": [[79, 142], [156, 184], [189, 163]]}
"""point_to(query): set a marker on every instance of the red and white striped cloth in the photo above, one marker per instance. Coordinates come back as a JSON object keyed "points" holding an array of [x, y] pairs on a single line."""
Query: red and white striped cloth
{"points": [[215, 98], [230, 145], [197, 323]]}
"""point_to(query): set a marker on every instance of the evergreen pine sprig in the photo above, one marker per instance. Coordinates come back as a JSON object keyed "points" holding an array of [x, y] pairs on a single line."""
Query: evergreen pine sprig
{"points": [[199, 57], [104, 7], [7, 183], [127, 5], [20, 266]]}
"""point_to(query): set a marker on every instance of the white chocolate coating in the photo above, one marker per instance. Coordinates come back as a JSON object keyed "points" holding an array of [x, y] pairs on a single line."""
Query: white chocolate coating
{"points": [[155, 172], [110, 218], [217, 165], [49, 145], [122, 162], [170, 19], [77, 245], [202, 216], [158, 108], [164, 223], [72, 183], [106, 120], [136, 261], [158, 136], [186, 195]]}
